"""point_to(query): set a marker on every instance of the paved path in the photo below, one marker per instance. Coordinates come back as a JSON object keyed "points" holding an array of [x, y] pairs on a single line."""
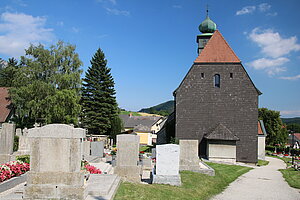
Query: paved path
{"points": [[261, 183]]}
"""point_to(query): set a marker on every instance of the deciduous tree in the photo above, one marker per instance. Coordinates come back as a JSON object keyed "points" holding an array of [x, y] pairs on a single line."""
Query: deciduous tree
{"points": [[47, 86], [276, 132]]}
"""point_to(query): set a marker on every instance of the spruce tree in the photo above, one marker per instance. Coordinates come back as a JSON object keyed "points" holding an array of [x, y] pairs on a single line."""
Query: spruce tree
{"points": [[99, 106]]}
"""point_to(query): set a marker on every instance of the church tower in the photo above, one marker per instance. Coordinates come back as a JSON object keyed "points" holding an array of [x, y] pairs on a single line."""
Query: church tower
{"points": [[217, 102]]}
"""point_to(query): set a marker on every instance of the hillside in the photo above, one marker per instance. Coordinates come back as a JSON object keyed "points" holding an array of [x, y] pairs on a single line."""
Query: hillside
{"points": [[166, 108], [294, 120], [123, 112]]}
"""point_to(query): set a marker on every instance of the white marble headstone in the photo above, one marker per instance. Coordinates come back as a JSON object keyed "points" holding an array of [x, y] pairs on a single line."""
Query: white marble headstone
{"points": [[167, 159]]}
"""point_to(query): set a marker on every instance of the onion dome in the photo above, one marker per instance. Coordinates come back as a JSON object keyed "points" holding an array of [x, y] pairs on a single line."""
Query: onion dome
{"points": [[207, 26]]}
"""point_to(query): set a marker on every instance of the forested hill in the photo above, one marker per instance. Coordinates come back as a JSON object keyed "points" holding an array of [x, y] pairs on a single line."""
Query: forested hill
{"points": [[165, 108], [295, 120]]}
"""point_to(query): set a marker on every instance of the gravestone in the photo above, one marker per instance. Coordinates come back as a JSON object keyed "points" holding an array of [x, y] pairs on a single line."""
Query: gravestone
{"points": [[97, 148], [7, 133], [19, 132], [147, 163], [86, 148], [55, 162], [167, 165], [24, 144], [153, 154], [189, 159], [128, 157]]}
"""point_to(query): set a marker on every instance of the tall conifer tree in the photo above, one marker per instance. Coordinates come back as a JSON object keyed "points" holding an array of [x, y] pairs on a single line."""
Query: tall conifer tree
{"points": [[98, 97]]}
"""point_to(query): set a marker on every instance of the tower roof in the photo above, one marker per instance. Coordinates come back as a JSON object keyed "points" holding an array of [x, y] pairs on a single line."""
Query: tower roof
{"points": [[207, 26], [217, 50]]}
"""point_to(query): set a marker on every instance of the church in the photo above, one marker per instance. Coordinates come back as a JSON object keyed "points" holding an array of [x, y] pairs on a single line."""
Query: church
{"points": [[217, 102]]}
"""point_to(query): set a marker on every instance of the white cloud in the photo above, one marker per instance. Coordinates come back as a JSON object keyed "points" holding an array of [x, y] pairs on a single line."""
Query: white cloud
{"points": [[18, 30], [114, 2], [264, 7], [177, 6], [60, 23], [290, 112], [20, 3], [102, 36], [75, 30], [271, 66], [272, 44], [115, 11], [291, 78], [272, 14], [246, 10]]}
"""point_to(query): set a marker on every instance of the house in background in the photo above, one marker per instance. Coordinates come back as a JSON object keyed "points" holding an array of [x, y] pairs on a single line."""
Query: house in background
{"points": [[261, 141], [144, 126], [217, 103], [6, 111], [296, 140]]}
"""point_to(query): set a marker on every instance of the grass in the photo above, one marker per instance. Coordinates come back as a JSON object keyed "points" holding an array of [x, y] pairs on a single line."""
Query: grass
{"points": [[145, 148], [292, 177], [194, 185], [128, 112], [262, 162]]}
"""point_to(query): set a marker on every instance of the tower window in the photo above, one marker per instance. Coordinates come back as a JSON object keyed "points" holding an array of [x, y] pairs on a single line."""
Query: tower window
{"points": [[231, 75], [202, 75], [217, 80]]}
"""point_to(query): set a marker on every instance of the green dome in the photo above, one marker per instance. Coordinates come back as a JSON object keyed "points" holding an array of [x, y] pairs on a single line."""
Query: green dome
{"points": [[207, 26]]}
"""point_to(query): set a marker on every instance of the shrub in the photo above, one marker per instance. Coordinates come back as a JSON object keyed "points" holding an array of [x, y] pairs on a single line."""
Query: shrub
{"points": [[16, 143], [24, 158], [270, 148]]}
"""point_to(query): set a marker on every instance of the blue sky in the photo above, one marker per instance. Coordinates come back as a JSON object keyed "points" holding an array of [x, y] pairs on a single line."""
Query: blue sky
{"points": [[150, 45]]}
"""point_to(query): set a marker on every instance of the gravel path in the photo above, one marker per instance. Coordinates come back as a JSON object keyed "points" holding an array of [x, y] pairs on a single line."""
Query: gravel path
{"points": [[261, 183]]}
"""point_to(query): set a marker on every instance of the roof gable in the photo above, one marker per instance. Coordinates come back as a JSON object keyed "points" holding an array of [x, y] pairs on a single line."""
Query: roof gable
{"points": [[133, 121], [4, 104], [221, 132], [261, 128], [217, 50], [297, 135]]}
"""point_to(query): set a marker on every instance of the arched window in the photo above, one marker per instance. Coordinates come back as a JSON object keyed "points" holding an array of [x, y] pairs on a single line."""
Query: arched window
{"points": [[217, 80]]}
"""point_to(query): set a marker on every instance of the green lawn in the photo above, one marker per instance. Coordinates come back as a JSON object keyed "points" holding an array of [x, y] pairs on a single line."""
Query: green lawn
{"points": [[194, 185], [262, 162], [145, 148], [128, 112], [292, 177]]}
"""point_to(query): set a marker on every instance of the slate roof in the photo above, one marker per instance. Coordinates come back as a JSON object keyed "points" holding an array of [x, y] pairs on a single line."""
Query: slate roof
{"points": [[133, 121], [296, 138], [221, 132], [4, 104], [217, 50], [141, 128]]}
